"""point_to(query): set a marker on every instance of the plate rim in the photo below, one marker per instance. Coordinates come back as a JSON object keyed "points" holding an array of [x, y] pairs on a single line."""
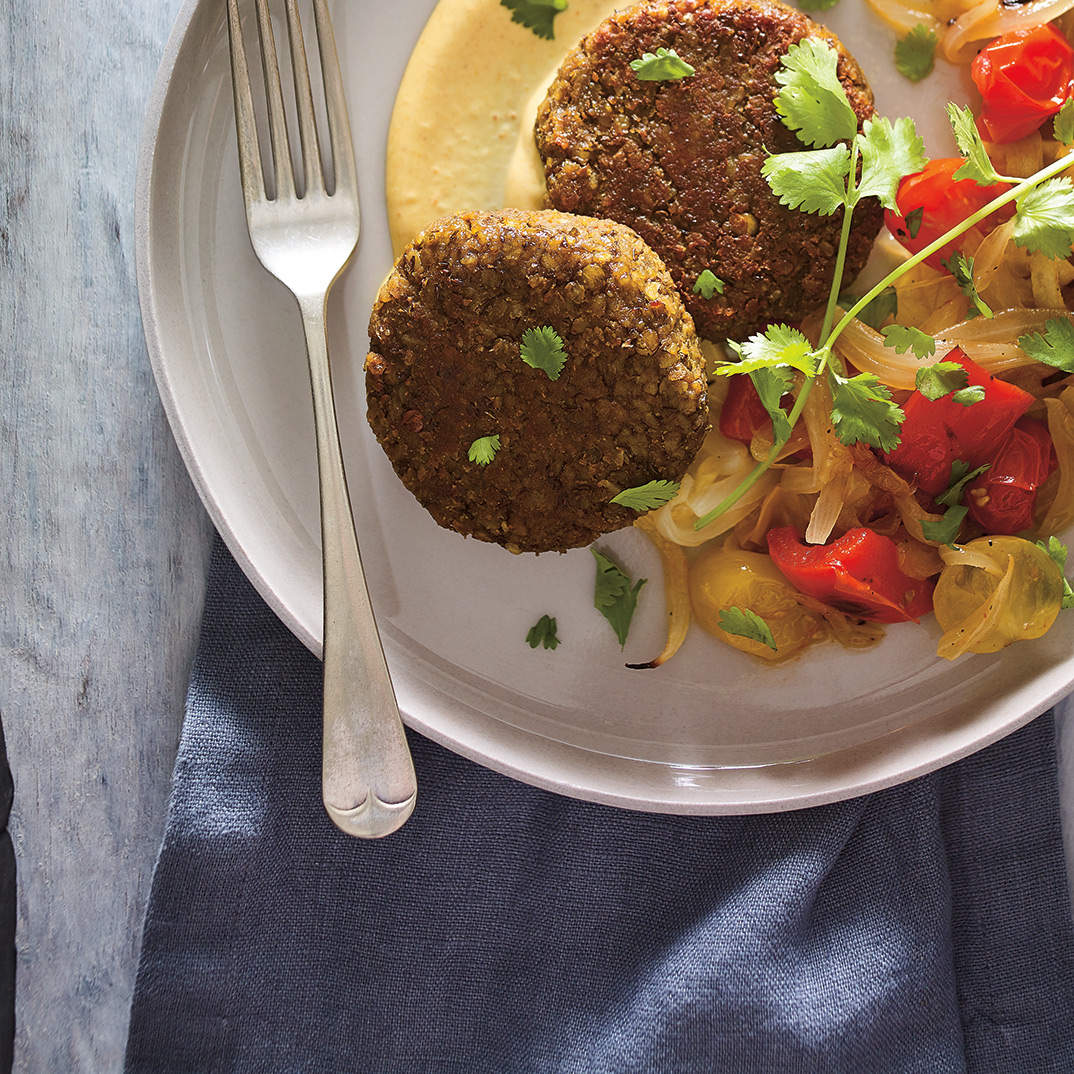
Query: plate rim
{"points": [[868, 766]]}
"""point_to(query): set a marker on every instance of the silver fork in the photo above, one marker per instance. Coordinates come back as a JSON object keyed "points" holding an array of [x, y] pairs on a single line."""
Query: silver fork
{"points": [[368, 781]]}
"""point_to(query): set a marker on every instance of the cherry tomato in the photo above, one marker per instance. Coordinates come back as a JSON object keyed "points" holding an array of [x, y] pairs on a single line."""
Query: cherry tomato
{"points": [[1023, 78], [936, 202], [1003, 498], [722, 578], [859, 574], [935, 432], [742, 414], [976, 616]]}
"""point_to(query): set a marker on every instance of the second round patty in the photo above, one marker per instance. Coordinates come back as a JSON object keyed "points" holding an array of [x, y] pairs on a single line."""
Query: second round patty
{"points": [[680, 162], [445, 370]]}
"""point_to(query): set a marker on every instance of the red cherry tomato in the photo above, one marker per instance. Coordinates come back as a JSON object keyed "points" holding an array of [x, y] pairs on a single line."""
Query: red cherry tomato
{"points": [[859, 574], [936, 432], [1003, 498], [742, 414], [935, 202], [1023, 78]]}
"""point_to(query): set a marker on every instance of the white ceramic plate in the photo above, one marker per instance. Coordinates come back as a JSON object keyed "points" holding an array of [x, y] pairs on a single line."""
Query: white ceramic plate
{"points": [[713, 731]]}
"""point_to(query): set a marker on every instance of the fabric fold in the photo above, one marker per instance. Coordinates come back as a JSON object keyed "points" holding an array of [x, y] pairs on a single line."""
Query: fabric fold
{"points": [[506, 929]]}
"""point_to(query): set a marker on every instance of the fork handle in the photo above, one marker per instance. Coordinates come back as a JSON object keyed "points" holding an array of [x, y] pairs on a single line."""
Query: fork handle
{"points": [[368, 781]]}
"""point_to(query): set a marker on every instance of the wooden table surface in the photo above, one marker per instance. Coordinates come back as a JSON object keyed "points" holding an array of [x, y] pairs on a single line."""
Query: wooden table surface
{"points": [[107, 544], [106, 541]]}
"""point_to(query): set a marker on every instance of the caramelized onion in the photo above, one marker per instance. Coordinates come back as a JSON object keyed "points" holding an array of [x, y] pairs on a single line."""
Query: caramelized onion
{"points": [[676, 590], [991, 18]]}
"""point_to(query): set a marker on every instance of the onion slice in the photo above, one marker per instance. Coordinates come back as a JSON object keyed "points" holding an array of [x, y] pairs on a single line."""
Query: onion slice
{"points": [[991, 18], [676, 590]]}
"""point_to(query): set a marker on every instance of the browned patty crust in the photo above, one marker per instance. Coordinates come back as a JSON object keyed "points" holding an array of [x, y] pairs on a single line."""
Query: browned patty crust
{"points": [[680, 162], [445, 369]]}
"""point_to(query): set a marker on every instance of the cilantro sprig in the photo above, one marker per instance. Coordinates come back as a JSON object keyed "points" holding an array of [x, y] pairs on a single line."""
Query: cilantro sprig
{"points": [[978, 166], [613, 595], [885, 305], [948, 378], [543, 633], [1063, 124], [961, 476], [649, 496], [1058, 551], [744, 623], [542, 348], [915, 52], [1054, 346], [946, 529], [708, 284], [664, 65], [483, 449], [841, 166], [961, 267], [903, 338], [536, 15]]}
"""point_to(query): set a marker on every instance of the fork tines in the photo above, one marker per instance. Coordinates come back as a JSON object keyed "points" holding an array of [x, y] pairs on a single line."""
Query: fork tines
{"points": [[253, 179]]}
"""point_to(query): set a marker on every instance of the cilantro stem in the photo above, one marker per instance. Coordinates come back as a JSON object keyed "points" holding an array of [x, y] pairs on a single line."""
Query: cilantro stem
{"points": [[1023, 187], [828, 334], [765, 464], [761, 468], [844, 243]]}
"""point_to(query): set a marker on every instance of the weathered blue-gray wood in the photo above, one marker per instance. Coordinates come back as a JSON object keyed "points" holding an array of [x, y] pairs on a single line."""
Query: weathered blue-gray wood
{"points": [[104, 539]]}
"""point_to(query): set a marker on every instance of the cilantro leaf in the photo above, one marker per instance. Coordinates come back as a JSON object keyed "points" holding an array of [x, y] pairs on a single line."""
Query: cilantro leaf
{"points": [[1058, 551], [945, 531], [536, 15], [905, 338], [772, 384], [777, 345], [542, 348], [888, 152], [961, 267], [708, 284], [817, 5], [649, 496], [978, 166], [812, 102], [744, 623], [483, 449], [1053, 346], [879, 309], [961, 476], [936, 381], [862, 410], [543, 632], [1063, 126], [1044, 222], [813, 181], [948, 378], [915, 54], [975, 393], [613, 596], [913, 221], [665, 65]]}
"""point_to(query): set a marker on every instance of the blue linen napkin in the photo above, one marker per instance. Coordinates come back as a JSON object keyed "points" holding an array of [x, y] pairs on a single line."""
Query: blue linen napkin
{"points": [[506, 929]]}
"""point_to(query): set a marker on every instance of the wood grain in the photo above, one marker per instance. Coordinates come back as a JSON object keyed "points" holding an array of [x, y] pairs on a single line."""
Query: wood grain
{"points": [[106, 543]]}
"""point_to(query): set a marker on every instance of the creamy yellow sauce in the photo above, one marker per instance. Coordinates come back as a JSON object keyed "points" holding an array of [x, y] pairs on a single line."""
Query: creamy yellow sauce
{"points": [[461, 134]]}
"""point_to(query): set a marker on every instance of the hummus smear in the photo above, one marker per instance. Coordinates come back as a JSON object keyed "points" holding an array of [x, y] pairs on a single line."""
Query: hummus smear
{"points": [[461, 134]]}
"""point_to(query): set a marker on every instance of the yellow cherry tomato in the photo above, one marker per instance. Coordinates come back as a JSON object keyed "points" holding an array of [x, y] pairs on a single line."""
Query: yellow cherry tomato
{"points": [[995, 590], [721, 579]]}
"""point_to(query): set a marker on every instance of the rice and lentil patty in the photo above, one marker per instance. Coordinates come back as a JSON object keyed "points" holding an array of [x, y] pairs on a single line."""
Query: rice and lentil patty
{"points": [[680, 162], [445, 369]]}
